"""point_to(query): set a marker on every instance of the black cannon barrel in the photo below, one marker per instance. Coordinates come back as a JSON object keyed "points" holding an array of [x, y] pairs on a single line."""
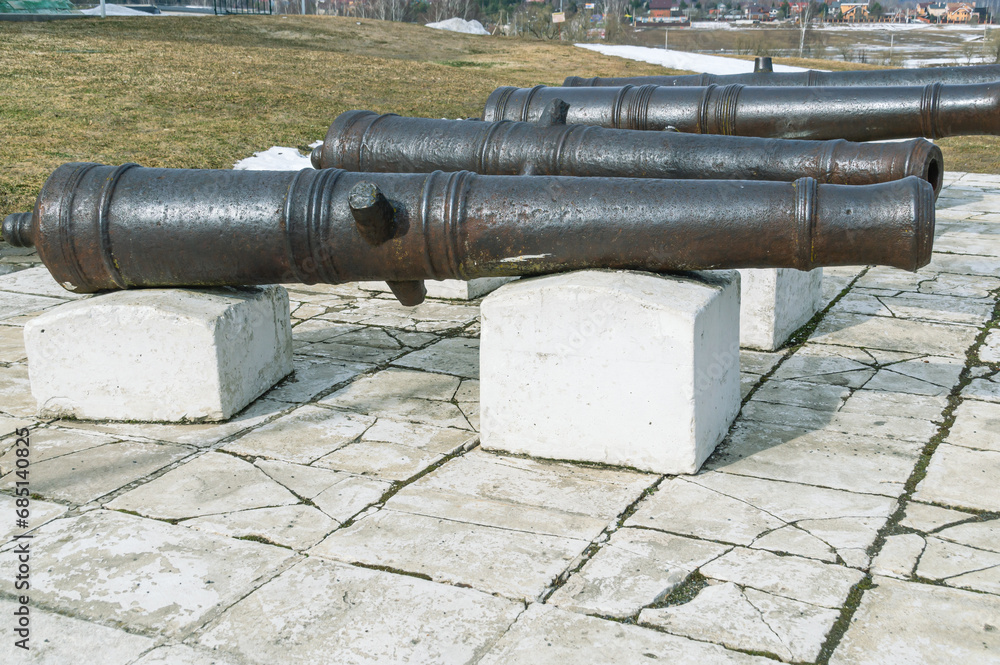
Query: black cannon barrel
{"points": [[103, 227], [855, 114], [366, 141], [881, 77]]}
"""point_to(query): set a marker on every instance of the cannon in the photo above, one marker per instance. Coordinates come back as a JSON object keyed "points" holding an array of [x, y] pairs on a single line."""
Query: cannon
{"points": [[766, 77], [366, 141], [855, 114], [99, 227]]}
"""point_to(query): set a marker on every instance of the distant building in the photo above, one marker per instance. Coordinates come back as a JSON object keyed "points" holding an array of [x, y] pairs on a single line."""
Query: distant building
{"points": [[854, 11]]}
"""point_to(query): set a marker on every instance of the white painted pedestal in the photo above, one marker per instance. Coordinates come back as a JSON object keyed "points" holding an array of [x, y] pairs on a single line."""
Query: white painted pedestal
{"points": [[624, 368], [775, 303], [450, 289], [159, 354]]}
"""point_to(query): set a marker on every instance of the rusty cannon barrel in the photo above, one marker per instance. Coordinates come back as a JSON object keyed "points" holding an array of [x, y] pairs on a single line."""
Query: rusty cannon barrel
{"points": [[811, 77], [855, 114], [104, 227], [366, 141]]}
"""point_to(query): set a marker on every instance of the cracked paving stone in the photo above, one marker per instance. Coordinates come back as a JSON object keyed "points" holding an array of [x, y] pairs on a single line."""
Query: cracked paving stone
{"points": [[210, 484], [927, 518], [962, 478], [180, 654], [951, 626], [311, 377], [635, 568], [304, 481], [546, 635], [827, 459], [515, 564], [380, 459], [404, 395], [986, 389], [196, 434], [747, 383], [350, 496], [794, 577], [821, 397], [441, 440], [142, 574], [825, 368], [936, 370], [971, 265], [918, 306], [420, 500], [338, 349], [56, 639], [41, 513], [600, 493], [977, 425], [758, 362], [320, 612], [46, 443], [16, 304], [755, 512], [318, 330], [298, 526], [863, 424], [900, 405], [895, 334], [456, 355], [302, 436], [898, 556], [83, 476], [748, 619], [960, 566]]}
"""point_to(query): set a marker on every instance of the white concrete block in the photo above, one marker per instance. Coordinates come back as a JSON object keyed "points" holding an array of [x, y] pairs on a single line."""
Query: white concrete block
{"points": [[451, 289], [159, 354], [775, 303], [624, 368]]}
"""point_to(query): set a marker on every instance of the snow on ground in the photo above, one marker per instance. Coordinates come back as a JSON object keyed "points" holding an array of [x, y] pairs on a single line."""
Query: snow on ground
{"points": [[460, 25], [691, 62], [114, 10], [276, 159]]}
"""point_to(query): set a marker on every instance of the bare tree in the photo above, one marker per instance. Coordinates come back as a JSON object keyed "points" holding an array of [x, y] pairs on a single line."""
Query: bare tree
{"points": [[806, 15]]}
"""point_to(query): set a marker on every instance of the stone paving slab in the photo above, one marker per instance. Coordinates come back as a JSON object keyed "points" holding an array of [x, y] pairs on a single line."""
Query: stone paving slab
{"points": [[207, 485], [321, 612], [62, 639], [547, 636], [903, 623], [142, 574], [868, 450]]}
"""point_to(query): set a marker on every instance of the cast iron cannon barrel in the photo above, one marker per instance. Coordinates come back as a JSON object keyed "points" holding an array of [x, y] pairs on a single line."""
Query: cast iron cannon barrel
{"points": [[366, 141], [104, 227], [855, 114], [881, 77]]}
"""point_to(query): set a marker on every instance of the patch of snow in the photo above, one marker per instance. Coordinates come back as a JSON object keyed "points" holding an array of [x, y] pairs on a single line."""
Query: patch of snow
{"points": [[691, 62], [114, 10], [460, 25], [276, 158]]}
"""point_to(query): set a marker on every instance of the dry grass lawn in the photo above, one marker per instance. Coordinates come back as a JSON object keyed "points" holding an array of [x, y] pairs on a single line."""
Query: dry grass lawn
{"points": [[203, 92]]}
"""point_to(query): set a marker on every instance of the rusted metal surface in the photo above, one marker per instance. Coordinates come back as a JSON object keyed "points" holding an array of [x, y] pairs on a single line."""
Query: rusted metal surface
{"points": [[103, 227], [878, 77], [855, 114], [366, 141]]}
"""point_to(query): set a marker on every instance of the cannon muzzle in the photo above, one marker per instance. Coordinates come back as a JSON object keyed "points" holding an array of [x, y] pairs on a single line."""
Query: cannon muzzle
{"points": [[855, 114], [366, 141], [765, 77], [103, 227]]}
